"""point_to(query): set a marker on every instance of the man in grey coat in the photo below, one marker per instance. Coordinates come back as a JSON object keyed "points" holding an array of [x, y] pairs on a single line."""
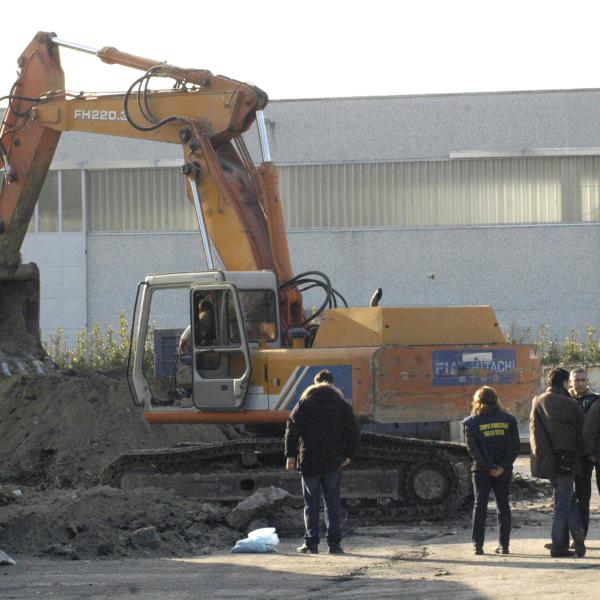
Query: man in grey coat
{"points": [[556, 425]]}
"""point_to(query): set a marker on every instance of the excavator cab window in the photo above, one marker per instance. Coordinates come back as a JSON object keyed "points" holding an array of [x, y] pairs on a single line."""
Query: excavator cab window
{"points": [[221, 360], [260, 315]]}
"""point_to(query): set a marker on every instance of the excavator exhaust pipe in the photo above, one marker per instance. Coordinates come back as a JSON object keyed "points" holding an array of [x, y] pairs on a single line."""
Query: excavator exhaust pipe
{"points": [[20, 310]]}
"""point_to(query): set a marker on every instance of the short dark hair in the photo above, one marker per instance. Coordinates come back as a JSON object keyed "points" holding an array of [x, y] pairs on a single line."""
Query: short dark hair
{"points": [[324, 376], [558, 376]]}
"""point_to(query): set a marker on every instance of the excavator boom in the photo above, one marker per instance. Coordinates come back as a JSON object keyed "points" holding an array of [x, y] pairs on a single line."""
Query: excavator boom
{"points": [[203, 113]]}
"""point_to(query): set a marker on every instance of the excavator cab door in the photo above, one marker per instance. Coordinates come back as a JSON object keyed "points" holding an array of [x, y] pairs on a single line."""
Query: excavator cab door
{"points": [[220, 355]]}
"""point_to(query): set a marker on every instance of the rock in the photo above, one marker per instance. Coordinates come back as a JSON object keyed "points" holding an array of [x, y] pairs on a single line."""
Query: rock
{"points": [[259, 504], [105, 549], [196, 533], [441, 573], [146, 538], [5, 559], [7, 497], [73, 529], [212, 514], [62, 550], [257, 524], [221, 536], [288, 521]]}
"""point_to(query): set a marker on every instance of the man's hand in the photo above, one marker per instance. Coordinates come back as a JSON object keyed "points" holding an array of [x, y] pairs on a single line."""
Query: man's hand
{"points": [[290, 464], [496, 471], [346, 462]]}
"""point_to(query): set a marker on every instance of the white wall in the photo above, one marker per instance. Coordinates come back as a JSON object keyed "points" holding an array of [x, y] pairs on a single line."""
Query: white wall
{"points": [[118, 262], [62, 263], [531, 275]]}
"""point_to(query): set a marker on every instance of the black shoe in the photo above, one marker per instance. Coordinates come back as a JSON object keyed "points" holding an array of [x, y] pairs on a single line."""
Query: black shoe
{"points": [[478, 551], [562, 553], [306, 549], [548, 546], [336, 550], [501, 550], [579, 546]]}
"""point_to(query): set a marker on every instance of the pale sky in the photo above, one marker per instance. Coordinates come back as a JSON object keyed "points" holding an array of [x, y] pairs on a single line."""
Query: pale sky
{"points": [[326, 48]]}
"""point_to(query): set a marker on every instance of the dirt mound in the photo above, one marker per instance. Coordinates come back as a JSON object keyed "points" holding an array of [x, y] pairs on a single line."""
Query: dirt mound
{"points": [[103, 521], [62, 430], [57, 433], [529, 488]]}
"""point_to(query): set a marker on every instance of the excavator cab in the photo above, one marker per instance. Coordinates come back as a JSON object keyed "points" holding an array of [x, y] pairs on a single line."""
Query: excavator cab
{"points": [[228, 314]]}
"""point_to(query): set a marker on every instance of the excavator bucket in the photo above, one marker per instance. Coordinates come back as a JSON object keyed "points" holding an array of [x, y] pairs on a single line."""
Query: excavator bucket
{"points": [[20, 311]]}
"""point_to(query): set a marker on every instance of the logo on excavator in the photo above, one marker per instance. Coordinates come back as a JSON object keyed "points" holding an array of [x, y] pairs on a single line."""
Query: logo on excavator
{"points": [[472, 367], [81, 114]]}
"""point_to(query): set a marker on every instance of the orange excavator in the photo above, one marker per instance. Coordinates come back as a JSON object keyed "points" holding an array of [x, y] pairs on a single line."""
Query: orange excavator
{"points": [[253, 347]]}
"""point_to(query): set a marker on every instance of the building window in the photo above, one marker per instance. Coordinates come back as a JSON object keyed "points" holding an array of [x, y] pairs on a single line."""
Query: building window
{"points": [[71, 200], [48, 204], [138, 200]]}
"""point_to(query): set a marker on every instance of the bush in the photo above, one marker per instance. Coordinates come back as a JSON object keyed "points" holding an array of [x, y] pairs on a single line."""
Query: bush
{"points": [[571, 350], [94, 351]]}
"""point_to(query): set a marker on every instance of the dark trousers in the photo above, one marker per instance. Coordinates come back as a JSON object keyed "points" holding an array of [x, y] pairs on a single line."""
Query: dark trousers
{"points": [[311, 490], [483, 484], [583, 491], [566, 514]]}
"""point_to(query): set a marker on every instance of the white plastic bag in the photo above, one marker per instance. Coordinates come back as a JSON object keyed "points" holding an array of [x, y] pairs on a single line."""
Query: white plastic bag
{"points": [[259, 541], [5, 559]]}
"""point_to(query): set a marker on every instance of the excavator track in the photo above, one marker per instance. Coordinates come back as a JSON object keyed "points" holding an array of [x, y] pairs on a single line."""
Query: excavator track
{"points": [[390, 477]]}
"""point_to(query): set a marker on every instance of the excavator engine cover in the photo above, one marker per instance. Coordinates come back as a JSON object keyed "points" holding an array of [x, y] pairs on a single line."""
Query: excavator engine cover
{"points": [[20, 310]]}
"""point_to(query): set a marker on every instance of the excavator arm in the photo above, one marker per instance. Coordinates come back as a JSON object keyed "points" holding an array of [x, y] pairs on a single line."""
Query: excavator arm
{"points": [[204, 113]]}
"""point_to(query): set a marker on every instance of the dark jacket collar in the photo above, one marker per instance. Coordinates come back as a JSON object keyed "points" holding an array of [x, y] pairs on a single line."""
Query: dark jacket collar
{"points": [[558, 389]]}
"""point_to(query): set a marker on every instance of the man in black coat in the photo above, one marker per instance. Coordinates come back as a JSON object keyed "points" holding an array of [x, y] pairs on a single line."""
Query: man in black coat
{"points": [[580, 390], [320, 439]]}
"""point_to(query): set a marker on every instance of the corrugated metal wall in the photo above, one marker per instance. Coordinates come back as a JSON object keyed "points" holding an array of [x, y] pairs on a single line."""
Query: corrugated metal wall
{"points": [[409, 194], [422, 194], [138, 200], [590, 189]]}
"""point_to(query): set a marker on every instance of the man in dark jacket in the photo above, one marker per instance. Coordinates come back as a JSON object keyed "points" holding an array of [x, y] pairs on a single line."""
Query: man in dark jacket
{"points": [[321, 437], [555, 427], [586, 398], [492, 437]]}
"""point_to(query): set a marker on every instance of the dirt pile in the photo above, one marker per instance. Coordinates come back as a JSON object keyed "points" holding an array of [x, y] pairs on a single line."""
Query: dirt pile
{"points": [[57, 433], [529, 488], [63, 430], [103, 521]]}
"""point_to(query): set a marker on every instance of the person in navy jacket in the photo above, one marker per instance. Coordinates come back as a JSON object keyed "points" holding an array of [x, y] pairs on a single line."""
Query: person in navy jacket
{"points": [[492, 437]]}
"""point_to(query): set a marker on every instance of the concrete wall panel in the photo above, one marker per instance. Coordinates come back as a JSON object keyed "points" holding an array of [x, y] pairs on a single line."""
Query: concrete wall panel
{"points": [[531, 275]]}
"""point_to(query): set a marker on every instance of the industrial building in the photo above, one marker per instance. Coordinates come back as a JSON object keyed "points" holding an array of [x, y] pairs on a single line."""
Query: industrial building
{"points": [[485, 198]]}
